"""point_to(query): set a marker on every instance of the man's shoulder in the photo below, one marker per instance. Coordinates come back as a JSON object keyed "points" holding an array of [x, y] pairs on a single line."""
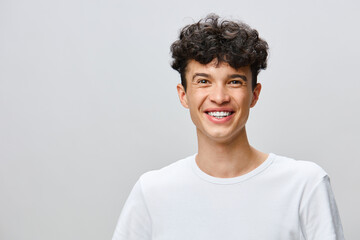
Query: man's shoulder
{"points": [[168, 174], [298, 168]]}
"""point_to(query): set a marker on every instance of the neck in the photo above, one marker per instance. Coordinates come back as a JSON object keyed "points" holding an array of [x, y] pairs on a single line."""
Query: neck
{"points": [[226, 159]]}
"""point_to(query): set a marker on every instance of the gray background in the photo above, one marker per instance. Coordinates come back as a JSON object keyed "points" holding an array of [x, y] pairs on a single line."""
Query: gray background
{"points": [[88, 103]]}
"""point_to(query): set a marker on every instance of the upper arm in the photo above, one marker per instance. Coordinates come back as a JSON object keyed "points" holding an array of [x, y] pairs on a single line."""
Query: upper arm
{"points": [[319, 215], [134, 222]]}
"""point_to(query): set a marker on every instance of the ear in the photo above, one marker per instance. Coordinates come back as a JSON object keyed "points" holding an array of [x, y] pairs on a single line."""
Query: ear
{"points": [[182, 95], [255, 95]]}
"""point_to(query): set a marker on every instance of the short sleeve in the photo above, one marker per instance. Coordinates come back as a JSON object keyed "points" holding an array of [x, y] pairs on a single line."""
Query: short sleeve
{"points": [[319, 215], [134, 222]]}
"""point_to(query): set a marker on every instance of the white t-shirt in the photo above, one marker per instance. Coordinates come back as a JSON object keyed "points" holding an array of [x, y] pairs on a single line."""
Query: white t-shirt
{"points": [[282, 199]]}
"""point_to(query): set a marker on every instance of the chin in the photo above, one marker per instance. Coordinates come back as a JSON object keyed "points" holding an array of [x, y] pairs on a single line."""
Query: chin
{"points": [[225, 135], [221, 138]]}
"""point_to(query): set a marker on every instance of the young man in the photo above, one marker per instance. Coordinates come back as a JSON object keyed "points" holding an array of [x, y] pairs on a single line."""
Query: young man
{"points": [[228, 190]]}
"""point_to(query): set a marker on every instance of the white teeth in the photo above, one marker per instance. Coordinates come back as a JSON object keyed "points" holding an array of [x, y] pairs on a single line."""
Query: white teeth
{"points": [[219, 114]]}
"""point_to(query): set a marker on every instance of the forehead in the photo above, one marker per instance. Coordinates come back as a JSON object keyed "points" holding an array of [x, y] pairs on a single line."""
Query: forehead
{"points": [[215, 68]]}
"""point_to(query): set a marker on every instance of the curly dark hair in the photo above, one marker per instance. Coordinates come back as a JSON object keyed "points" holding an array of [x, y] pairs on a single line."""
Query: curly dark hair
{"points": [[227, 41]]}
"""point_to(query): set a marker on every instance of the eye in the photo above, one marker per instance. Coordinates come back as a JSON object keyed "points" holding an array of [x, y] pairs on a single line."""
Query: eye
{"points": [[203, 81], [237, 82]]}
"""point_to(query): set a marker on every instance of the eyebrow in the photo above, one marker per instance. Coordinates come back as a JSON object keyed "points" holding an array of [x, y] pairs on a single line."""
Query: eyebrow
{"points": [[200, 75], [243, 77]]}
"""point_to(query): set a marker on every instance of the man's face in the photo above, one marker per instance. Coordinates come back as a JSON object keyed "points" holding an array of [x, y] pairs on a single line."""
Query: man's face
{"points": [[219, 99]]}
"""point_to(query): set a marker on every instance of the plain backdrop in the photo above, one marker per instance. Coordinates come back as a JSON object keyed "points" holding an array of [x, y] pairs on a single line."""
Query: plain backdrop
{"points": [[88, 103]]}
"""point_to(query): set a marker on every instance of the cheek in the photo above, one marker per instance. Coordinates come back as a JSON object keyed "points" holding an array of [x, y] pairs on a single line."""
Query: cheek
{"points": [[243, 99], [196, 104], [196, 99]]}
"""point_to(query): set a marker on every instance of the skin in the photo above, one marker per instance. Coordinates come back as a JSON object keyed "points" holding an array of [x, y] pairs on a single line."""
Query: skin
{"points": [[223, 149]]}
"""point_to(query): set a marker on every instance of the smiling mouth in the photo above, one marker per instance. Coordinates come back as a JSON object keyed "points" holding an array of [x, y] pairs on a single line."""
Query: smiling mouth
{"points": [[220, 114]]}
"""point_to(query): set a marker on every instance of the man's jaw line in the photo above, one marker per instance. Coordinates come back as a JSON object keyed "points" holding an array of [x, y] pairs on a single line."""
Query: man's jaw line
{"points": [[224, 141]]}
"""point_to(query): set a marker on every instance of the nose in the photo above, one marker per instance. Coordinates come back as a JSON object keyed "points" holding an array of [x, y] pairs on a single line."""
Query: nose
{"points": [[219, 95]]}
